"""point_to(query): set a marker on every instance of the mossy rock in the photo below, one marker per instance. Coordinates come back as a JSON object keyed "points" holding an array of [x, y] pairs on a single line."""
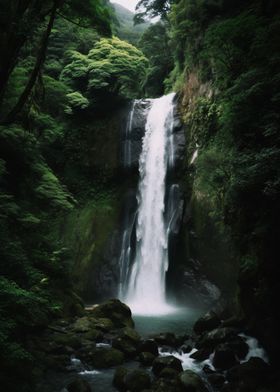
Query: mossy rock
{"points": [[168, 374], [119, 377], [128, 342], [82, 324], [104, 324], [190, 381], [79, 385], [94, 335], [137, 380], [166, 362], [116, 311], [103, 358], [146, 358], [67, 339]]}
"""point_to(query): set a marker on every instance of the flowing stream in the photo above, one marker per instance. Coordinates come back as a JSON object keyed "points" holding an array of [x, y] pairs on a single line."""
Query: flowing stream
{"points": [[145, 286]]}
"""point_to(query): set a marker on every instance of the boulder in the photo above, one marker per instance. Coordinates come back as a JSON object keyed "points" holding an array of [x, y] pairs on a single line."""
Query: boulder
{"points": [[239, 346], [67, 339], [168, 373], [250, 375], [166, 362], [79, 385], [103, 358], [166, 339], [213, 338], [82, 325], [116, 311], [166, 385], [201, 355], [216, 380], [149, 346], [191, 382], [118, 379], [102, 323], [137, 380], [94, 335], [146, 359], [128, 342], [186, 348], [57, 362], [224, 357], [208, 322]]}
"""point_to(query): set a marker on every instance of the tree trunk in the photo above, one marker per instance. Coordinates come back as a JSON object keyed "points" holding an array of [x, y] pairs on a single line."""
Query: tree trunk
{"points": [[34, 74]]}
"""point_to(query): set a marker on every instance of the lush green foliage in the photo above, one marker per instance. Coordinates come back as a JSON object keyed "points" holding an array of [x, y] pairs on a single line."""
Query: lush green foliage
{"points": [[112, 68], [35, 284], [154, 44]]}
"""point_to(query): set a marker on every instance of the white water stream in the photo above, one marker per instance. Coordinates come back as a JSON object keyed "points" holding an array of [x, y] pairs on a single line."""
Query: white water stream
{"points": [[146, 284]]}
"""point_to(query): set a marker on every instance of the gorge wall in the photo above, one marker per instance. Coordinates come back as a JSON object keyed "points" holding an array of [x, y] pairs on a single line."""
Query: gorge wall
{"points": [[201, 262]]}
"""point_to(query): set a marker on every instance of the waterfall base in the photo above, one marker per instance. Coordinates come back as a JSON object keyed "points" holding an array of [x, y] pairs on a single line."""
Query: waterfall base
{"points": [[151, 308]]}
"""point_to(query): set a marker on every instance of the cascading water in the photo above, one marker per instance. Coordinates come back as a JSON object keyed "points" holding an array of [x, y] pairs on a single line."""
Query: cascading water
{"points": [[127, 145], [145, 287]]}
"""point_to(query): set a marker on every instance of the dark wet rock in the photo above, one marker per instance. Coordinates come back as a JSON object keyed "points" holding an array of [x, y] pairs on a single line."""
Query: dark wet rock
{"points": [[62, 350], [213, 338], [125, 346], [250, 375], [186, 348], [191, 382], [57, 362], [216, 380], [137, 380], [82, 325], [91, 325], [67, 339], [150, 346], [102, 323], [208, 322], [166, 339], [177, 124], [224, 357], [94, 335], [87, 352], [208, 370], [202, 354], [103, 358], [179, 141], [116, 311], [79, 385], [146, 359], [168, 373], [195, 286], [238, 346], [128, 342], [166, 385], [119, 377], [166, 362]]}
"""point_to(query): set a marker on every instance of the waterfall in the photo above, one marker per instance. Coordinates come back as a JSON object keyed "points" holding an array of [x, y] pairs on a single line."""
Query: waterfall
{"points": [[127, 145], [145, 287]]}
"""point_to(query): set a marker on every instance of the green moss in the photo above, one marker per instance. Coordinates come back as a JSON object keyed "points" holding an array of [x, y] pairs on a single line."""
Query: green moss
{"points": [[86, 233]]}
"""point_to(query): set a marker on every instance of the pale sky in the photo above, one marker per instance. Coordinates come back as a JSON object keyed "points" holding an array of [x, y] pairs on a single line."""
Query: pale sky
{"points": [[129, 4]]}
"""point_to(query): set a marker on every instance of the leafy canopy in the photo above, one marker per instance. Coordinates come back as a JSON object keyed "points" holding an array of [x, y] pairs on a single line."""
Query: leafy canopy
{"points": [[112, 67]]}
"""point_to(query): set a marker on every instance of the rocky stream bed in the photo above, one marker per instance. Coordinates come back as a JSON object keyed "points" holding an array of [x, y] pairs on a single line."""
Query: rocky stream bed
{"points": [[217, 356]]}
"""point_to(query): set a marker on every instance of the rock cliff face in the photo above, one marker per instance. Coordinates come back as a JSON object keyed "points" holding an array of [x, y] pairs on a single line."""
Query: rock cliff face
{"points": [[205, 268], [96, 231]]}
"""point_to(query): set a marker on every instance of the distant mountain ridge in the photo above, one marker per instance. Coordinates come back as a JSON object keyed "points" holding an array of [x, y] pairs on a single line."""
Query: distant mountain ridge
{"points": [[126, 29]]}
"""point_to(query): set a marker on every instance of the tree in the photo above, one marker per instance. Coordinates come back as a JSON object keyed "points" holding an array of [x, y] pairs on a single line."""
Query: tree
{"points": [[155, 45], [20, 20], [113, 67], [150, 9]]}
